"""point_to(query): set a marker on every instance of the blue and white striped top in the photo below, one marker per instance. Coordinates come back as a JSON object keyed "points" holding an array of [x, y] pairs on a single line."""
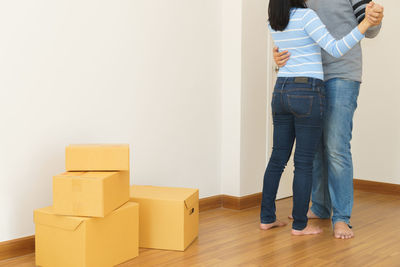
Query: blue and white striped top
{"points": [[304, 37]]}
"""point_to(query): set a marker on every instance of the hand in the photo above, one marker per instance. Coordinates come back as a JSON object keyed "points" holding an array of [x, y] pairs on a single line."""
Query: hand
{"points": [[374, 13], [281, 58]]}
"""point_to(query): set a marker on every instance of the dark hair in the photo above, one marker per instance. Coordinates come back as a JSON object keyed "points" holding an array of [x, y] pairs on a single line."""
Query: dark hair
{"points": [[279, 12]]}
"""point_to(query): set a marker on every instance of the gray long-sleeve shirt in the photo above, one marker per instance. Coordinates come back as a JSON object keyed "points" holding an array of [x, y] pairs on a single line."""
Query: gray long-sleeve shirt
{"points": [[340, 17]]}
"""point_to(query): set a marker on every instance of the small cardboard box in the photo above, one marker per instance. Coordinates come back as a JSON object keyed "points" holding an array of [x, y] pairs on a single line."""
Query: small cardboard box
{"points": [[65, 241], [169, 217], [97, 158], [92, 194]]}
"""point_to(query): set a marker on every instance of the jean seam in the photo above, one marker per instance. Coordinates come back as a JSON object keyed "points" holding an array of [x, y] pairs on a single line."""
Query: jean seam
{"points": [[321, 104], [272, 104]]}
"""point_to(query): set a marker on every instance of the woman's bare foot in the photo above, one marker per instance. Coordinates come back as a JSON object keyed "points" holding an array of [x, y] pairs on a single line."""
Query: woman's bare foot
{"points": [[309, 230], [268, 226], [342, 231], [310, 215]]}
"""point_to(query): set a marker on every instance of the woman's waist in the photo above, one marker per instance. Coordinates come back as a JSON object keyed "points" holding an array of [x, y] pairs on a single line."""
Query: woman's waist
{"points": [[299, 83]]}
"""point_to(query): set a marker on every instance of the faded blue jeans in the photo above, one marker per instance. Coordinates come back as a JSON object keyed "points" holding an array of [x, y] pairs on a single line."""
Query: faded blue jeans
{"points": [[333, 166], [297, 111]]}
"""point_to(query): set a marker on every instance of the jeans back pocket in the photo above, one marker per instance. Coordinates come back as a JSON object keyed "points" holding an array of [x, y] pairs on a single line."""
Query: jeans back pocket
{"points": [[300, 105]]}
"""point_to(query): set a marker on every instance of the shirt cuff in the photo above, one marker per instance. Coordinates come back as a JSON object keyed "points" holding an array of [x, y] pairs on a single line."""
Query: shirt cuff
{"points": [[357, 34]]}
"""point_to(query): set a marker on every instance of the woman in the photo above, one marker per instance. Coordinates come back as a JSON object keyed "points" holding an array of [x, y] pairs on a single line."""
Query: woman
{"points": [[298, 103]]}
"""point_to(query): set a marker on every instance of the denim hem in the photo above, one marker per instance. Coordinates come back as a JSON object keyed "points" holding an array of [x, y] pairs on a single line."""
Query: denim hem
{"points": [[265, 222], [347, 221], [298, 228]]}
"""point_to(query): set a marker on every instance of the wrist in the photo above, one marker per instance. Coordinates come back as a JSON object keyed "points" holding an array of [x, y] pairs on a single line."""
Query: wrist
{"points": [[364, 25], [366, 22]]}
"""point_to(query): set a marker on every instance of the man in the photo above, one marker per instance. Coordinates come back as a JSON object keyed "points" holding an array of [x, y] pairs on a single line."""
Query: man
{"points": [[333, 167]]}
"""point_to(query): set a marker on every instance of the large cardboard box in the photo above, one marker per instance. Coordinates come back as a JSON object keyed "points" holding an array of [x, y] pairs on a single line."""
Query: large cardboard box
{"points": [[169, 217], [93, 194], [65, 241], [97, 158]]}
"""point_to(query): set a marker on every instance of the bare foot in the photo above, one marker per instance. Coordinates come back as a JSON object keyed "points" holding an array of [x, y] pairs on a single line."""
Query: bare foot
{"points": [[309, 230], [342, 231], [268, 226], [310, 215]]}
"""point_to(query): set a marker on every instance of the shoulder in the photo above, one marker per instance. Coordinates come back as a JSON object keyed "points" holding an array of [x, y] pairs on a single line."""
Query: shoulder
{"points": [[302, 13], [309, 15], [309, 12]]}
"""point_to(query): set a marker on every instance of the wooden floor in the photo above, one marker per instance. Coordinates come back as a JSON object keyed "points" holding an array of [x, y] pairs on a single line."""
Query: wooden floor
{"points": [[232, 238]]}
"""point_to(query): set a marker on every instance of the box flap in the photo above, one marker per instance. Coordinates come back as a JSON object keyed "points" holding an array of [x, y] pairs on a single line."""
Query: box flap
{"points": [[99, 145], [161, 193], [97, 157], [45, 216], [193, 200], [87, 175]]}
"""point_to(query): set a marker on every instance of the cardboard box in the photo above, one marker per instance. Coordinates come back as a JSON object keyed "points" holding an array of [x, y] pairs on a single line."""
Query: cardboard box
{"points": [[97, 158], [93, 194], [65, 241], [169, 217]]}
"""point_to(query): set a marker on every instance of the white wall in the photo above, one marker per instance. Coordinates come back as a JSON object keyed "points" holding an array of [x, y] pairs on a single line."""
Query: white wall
{"points": [[231, 96], [376, 138], [255, 109], [142, 72], [244, 96]]}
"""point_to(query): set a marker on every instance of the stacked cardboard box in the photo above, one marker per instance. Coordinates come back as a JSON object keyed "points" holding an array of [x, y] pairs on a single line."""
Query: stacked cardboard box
{"points": [[91, 222], [168, 217]]}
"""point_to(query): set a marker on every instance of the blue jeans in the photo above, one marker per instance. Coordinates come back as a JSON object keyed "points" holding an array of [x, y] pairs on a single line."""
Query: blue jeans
{"points": [[297, 110], [333, 166]]}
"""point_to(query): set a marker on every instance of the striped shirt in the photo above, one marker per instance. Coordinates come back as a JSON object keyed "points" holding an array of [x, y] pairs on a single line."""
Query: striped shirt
{"points": [[304, 37]]}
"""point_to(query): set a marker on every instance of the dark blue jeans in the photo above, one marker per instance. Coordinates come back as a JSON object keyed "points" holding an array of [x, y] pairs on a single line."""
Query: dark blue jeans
{"points": [[297, 111]]}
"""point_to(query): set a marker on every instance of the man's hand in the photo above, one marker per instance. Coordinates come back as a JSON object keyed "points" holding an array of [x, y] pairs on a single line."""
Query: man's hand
{"points": [[281, 58], [374, 13]]}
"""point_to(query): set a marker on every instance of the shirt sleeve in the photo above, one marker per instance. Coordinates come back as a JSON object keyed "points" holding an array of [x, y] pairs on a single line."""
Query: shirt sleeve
{"points": [[359, 13], [318, 32]]}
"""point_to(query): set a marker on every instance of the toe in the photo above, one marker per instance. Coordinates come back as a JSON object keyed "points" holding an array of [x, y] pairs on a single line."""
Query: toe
{"points": [[340, 235]]}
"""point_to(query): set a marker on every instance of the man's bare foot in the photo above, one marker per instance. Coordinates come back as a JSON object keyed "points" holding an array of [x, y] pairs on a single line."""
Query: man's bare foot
{"points": [[309, 230], [310, 215], [277, 223], [342, 231]]}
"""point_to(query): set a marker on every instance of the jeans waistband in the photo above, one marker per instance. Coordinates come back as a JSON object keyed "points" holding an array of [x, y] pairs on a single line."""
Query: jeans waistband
{"points": [[312, 82]]}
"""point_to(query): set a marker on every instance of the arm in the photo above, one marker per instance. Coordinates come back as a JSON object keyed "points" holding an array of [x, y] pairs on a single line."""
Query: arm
{"points": [[359, 12], [336, 48]]}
